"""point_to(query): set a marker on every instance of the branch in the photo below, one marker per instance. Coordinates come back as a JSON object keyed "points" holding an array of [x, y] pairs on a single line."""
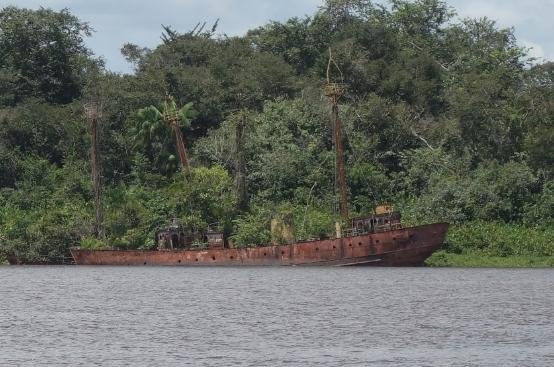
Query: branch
{"points": [[412, 130]]}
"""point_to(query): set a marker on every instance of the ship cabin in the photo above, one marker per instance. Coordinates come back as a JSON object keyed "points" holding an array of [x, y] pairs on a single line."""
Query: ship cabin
{"points": [[176, 236], [384, 219]]}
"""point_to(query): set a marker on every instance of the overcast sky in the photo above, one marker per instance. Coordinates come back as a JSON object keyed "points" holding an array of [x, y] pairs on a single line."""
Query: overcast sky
{"points": [[120, 21]]}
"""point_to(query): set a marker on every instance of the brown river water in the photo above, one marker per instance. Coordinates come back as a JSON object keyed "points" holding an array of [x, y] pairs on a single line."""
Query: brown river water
{"points": [[275, 316]]}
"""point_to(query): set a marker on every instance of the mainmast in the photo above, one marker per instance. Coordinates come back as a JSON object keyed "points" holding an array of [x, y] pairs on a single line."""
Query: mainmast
{"points": [[240, 175], [93, 112], [334, 91]]}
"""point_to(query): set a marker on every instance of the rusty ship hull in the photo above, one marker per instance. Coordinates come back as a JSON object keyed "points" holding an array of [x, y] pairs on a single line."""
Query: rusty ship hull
{"points": [[402, 247]]}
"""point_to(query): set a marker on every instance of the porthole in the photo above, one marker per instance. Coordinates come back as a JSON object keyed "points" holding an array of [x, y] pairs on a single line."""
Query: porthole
{"points": [[179, 261], [213, 258], [359, 243]]}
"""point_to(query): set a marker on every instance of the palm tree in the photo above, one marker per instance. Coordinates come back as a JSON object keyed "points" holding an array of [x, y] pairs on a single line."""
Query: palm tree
{"points": [[175, 117]]}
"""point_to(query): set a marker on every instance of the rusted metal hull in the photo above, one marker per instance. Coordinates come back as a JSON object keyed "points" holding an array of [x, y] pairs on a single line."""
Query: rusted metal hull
{"points": [[401, 247]]}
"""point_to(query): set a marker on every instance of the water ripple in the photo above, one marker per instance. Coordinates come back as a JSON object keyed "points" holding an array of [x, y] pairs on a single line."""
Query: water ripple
{"points": [[128, 316]]}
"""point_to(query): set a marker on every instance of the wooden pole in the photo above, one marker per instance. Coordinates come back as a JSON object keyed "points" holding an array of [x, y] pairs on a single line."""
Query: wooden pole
{"points": [[339, 152], [93, 112], [180, 146], [334, 91], [240, 178]]}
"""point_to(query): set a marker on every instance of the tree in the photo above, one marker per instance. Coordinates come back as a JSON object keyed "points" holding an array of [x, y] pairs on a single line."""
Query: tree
{"points": [[177, 118], [42, 54], [217, 75]]}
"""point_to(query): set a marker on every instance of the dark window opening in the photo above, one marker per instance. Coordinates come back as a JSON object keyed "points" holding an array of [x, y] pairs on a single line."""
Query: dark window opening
{"points": [[174, 241]]}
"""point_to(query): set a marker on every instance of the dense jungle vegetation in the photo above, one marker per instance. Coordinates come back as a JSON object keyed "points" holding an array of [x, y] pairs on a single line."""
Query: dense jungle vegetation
{"points": [[447, 118]]}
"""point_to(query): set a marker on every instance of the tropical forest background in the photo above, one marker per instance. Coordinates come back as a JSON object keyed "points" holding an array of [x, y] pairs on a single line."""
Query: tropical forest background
{"points": [[449, 119]]}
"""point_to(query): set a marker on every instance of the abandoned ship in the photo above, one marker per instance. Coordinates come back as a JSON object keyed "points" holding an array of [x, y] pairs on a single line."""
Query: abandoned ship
{"points": [[376, 240]]}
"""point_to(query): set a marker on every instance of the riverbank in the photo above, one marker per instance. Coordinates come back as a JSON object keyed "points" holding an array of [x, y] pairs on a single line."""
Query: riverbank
{"points": [[475, 260], [497, 245]]}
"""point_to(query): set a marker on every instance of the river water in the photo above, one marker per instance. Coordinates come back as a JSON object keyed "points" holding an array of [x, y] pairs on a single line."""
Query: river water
{"points": [[275, 316]]}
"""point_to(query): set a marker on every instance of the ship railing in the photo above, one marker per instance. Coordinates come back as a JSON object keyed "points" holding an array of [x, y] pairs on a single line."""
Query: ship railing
{"points": [[353, 232]]}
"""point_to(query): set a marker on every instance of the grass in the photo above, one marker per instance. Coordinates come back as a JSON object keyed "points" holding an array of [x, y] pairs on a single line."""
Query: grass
{"points": [[479, 260], [497, 245]]}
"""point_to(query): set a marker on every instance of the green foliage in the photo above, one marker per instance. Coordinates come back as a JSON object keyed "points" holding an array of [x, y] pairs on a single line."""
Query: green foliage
{"points": [[368, 187], [48, 213], [37, 128], [307, 222], [217, 75], [206, 197], [496, 244], [312, 222], [153, 135], [448, 190], [42, 54], [252, 229], [447, 259], [539, 212], [499, 239], [135, 212], [92, 243]]}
